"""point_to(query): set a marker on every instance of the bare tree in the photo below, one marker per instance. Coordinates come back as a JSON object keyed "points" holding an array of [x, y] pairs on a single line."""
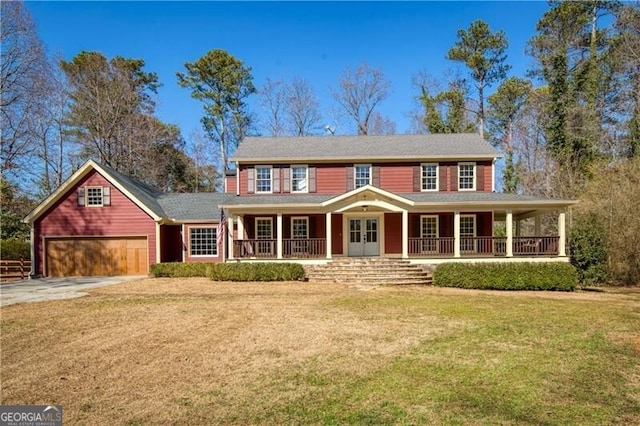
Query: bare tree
{"points": [[361, 90], [381, 125], [23, 63], [271, 98], [302, 107]]}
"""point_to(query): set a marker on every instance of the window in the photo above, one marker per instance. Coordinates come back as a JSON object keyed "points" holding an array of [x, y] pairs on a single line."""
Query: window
{"points": [[466, 176], [429, 233], [263, 179], [94, 196], [429, 177], [299, 180], [467, 233], [203, 241], [362, 175], [264, 231], [299, 228]]}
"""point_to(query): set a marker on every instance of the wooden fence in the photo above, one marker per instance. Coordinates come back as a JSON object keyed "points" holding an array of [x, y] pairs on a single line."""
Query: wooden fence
{"points": [[14, 269]]}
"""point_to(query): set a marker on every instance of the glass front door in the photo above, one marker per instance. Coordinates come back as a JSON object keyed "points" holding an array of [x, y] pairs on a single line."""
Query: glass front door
{"points": [[364, 237]]}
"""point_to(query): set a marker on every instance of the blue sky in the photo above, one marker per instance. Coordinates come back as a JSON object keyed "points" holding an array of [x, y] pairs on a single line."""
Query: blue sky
{"points": [[312, 40]]}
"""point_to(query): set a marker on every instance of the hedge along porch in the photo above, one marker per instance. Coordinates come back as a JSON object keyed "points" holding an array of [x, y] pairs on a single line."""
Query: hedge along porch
{"points": [[371, 222]]}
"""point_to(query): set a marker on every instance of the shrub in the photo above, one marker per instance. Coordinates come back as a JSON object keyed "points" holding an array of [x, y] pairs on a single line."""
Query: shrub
{"points": [[231, 271], [589, 249], [256, 272], [15, 249], [181, 270], [507, 276]]}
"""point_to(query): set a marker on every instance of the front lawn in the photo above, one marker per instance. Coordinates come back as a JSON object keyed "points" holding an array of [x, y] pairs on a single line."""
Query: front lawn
{"points": [[191, 351]]}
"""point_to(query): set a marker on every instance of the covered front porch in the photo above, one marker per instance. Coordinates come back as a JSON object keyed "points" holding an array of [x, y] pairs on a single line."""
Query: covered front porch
{"points": [[374, 223]]}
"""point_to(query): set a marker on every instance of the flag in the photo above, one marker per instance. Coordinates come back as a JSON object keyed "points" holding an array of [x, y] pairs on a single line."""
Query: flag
{"points": [[222, 228]]}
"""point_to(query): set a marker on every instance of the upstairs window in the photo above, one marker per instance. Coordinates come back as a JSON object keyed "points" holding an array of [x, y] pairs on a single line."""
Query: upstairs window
{"points": [[466, 176], [299, 179], [362, 175], [429, 177], [94, 196], [263, 179]]}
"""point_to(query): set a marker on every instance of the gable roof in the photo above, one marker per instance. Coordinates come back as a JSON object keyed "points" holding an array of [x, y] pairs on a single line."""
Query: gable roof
{"points": [[364, 148], [159, 206]]}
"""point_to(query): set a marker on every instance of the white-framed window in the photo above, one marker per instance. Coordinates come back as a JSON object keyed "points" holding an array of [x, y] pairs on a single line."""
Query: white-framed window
{"points": [[94, 196], [429, 233], [264, 231], [203, 242], [467, 233], [300, 227], [430, 177], [263, 179], [466, 176], [299, 179], [361, 175]]}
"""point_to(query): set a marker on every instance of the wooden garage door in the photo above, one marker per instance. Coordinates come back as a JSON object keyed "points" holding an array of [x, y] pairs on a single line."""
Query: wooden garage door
{"points": [[96, 256]]}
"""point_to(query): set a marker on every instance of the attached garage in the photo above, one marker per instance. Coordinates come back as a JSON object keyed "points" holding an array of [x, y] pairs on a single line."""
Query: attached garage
{"points": [[96, 256]]}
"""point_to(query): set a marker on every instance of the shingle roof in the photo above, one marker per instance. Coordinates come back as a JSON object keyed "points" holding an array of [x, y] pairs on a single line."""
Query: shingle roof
{"points": [[361, 148], [201, 206]]}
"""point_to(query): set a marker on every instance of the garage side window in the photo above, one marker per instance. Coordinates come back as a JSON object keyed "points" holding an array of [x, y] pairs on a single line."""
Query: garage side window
{"points": [[203, 242], [94, 196]]}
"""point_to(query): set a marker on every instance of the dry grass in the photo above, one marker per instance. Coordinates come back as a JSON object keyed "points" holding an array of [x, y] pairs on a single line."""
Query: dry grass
{"points": [[195, 352]]}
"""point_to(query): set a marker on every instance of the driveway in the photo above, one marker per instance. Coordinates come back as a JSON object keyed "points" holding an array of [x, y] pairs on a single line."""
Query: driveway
{"points": [[43, 289]]}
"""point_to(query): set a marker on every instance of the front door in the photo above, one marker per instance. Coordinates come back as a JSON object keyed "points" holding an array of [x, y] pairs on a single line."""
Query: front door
{"points": [[363, 237]]}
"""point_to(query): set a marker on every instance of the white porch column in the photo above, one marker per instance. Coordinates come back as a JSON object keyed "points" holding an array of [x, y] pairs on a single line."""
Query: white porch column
{"points": [[279, 236], [456, 234], [509, 224], [328, 239], [230, 239], [240, 228], [562, 249], [405, 234]]}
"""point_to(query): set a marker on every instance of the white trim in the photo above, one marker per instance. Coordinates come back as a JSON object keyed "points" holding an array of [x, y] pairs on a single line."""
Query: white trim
{"points": [[306, 169], [158, 248], [422, 166], [475, 177], [372, 189], [437, 218], [86, 196], [255, 179]]}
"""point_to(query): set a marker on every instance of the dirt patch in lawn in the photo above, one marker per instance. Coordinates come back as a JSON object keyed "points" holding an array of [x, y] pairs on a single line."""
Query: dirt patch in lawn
{"points": [[194, 350]]}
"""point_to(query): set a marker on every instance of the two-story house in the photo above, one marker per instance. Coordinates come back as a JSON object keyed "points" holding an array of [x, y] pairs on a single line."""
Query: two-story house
{"points": [[424, 198]]}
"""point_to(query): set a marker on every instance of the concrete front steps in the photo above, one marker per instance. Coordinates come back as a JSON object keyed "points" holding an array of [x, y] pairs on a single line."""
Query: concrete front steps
{"points": [[370, 271]]}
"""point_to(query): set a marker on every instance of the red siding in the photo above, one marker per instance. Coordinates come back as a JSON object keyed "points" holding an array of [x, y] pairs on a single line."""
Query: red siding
{"points": [[396, 177], [393, 233], [336, 233], [332, 178], [122, 218], [187, 254], [230, 185]]}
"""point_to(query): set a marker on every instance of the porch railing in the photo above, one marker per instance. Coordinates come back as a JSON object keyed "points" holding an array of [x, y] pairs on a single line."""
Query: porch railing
{"points": [[291, 248], [418, 247]]}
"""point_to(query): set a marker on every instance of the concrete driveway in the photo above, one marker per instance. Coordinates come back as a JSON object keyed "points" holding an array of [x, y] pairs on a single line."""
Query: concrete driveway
{"points": [[43, 289]]}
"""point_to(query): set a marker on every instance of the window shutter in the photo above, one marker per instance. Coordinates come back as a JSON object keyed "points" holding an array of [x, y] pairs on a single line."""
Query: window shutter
{"points": [[286, 179], [81, 197], [375, 176], [275, 179], [250, 181], [106, 196], [442, 177], [480, 177], [350, 182], [417, 176], [455, 183], [312, 179]]}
